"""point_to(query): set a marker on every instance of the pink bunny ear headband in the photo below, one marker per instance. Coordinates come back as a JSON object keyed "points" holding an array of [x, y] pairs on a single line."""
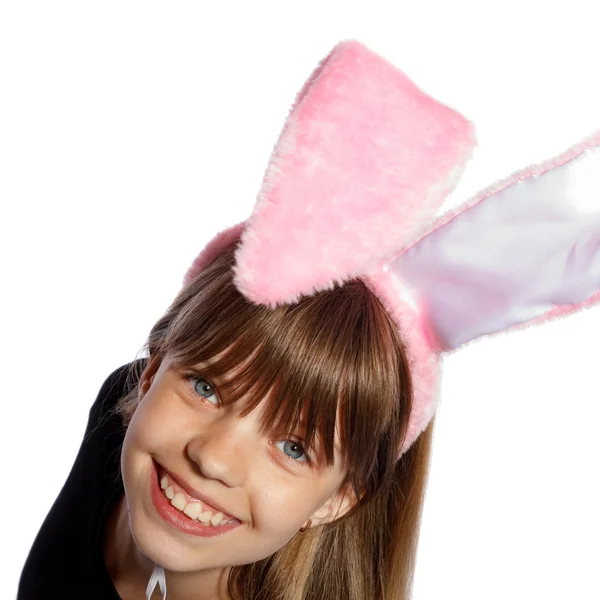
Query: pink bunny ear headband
{"points": [[363, 162]]}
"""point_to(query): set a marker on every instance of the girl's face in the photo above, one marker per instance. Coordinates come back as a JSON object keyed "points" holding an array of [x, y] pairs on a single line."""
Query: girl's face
{"points": [[267, 484]]}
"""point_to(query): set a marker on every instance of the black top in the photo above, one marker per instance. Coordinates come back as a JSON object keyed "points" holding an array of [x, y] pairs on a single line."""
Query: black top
{"points": [[66, 560]]}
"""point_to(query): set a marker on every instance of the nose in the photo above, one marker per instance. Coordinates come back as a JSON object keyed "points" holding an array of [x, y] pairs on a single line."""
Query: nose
{"points": [[223, 450]]}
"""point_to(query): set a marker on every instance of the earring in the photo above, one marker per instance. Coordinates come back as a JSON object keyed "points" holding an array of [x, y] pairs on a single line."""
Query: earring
{"points": [[305, 527]]}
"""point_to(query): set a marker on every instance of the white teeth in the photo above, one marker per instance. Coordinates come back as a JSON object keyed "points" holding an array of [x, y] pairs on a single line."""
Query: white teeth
{"points": [[216, 519], [178, 501], [205, 517], [192, 510]]}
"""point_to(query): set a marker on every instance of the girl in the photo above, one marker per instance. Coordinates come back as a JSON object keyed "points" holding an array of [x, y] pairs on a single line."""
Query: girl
{"points": [[274, 443]]}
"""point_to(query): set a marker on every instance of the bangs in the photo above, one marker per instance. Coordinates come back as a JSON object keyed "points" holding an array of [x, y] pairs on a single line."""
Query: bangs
{"points": [[331, 359]]}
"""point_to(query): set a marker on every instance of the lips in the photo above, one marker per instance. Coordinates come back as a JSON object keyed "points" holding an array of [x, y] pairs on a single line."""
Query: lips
{"points": [[211, 503], [179, 520]]}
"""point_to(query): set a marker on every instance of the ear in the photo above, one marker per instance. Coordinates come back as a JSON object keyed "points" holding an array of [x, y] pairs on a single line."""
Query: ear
{"points": [[147, 376], [339, 504]]}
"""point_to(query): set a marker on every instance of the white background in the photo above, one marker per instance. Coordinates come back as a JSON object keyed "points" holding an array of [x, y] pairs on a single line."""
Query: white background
{"points": [[130, 133]]}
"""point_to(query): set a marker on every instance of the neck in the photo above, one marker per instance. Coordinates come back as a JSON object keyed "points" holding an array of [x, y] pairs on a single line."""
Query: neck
{"points": [[130, 569]]}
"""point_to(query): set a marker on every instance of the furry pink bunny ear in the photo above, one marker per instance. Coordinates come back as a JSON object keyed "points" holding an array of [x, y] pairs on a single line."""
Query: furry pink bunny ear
{"points": [[522, 251], [364, 160]]}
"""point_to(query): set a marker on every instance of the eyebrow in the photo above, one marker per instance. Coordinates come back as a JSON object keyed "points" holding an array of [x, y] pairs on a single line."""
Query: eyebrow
{"points": [[200, 369]]}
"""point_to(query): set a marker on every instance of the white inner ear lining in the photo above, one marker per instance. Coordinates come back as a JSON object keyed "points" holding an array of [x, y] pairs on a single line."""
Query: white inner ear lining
{"points": [[512, 257]]}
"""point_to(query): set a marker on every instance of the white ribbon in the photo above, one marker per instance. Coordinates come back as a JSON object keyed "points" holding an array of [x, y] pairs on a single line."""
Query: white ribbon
{"points": [[157, 577]]}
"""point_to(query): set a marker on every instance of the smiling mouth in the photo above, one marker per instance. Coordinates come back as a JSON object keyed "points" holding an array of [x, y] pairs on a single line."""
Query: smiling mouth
{"points": [[193, 508]]}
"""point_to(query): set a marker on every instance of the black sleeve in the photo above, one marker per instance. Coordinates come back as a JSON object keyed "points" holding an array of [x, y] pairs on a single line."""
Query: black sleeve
{"points": [[65, 554]]}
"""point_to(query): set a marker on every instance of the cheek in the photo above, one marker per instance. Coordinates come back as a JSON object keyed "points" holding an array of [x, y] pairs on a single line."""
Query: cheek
{"points": [[154, 429], [282, 504], [278, 512], [156, 422]]}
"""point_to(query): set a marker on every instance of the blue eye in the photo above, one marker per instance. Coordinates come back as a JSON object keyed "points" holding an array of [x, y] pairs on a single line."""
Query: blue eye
{"points": [[292, 449], [205, 389]]}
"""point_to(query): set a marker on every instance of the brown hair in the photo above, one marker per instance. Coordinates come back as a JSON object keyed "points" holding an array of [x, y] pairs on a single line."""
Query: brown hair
{"points": [[333, 355]]}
